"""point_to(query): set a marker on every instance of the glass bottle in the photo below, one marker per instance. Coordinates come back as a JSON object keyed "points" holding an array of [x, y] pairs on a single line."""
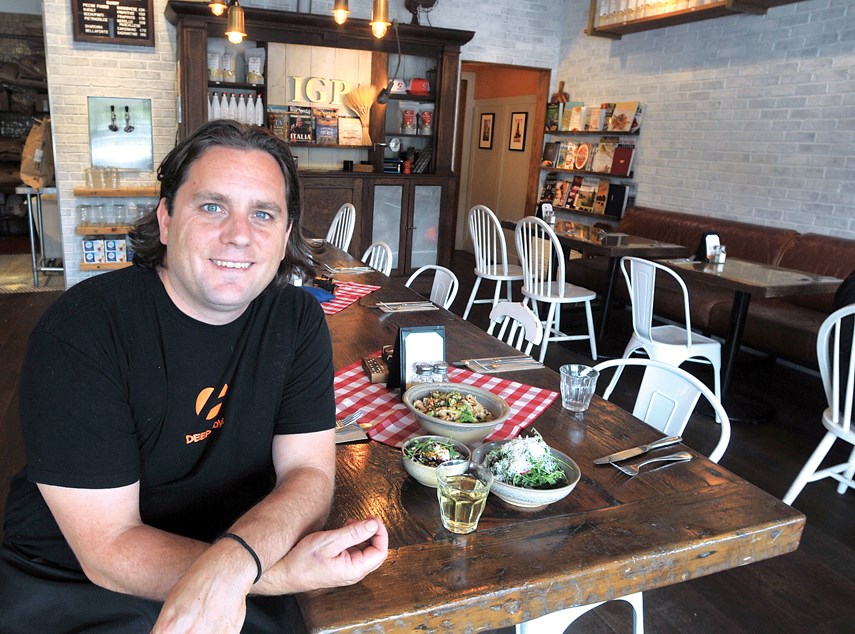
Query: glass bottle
{"points": [[424, 373], [440, 372]]}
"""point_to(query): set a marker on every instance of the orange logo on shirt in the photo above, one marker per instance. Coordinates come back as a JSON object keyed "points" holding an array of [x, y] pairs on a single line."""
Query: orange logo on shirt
{"points": [[210, 411]]}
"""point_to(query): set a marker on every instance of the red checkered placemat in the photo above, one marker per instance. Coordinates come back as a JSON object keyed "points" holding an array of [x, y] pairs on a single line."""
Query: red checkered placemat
{"points": [[345, 294], [393, 422]]}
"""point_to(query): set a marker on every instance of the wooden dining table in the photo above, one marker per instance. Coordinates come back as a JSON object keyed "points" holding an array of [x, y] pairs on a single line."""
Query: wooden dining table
{"points": [[591, 240], [613, 535]]}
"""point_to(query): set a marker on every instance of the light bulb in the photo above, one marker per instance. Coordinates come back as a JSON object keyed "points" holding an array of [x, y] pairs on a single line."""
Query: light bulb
{"points": [[235, 37], [379, 29], [218, 7], [340, 11], [236, 30]]}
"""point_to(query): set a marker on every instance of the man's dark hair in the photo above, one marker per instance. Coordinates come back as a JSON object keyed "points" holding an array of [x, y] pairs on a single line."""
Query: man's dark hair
{"points": [[145, 236]]}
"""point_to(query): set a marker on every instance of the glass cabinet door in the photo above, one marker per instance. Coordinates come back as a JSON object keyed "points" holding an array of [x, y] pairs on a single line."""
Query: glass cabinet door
{"points": [[388, 212], [425, 235]]}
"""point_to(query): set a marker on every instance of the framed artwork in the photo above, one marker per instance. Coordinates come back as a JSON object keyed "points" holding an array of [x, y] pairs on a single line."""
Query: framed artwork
{"points": [[485, 138], [516, 139]]}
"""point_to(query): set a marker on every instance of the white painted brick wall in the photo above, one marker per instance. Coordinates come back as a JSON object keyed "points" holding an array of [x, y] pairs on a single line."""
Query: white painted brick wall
{"points": [[747, 117]]}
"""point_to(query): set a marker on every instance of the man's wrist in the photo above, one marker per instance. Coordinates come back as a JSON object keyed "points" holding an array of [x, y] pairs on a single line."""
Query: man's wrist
{"points": [[240, 540]]}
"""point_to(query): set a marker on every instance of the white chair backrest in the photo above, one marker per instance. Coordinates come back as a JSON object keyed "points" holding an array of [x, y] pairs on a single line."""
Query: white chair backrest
{"points": [[341, 227], [541, 255], [445, 284], [641, 282], [379, 256], [525, 327], [488, 239], [667, 397], [835, 353]]}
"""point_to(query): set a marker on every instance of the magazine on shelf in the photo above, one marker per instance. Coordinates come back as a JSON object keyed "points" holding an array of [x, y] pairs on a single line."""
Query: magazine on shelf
{"points": [[349, 131], [584, 200], [636, 123], [301, 129], [608, 109], [567, 115], [551, 152], [277, 121], [566, 154], [547, 193], [553, 116], [596, 119], [576, 119], [582, 159], [602, 196], [574, 188], [623, 116], [562, 193], [326, 125], [616, 200], [622, 162], [604, 155]]}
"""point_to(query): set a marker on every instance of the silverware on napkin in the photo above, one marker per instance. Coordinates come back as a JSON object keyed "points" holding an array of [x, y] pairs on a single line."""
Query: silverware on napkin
{"points": [[637, 451], [403, 307]]}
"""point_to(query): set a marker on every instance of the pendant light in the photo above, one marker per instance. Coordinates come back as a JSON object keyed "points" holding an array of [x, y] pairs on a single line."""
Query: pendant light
{"points": [[340, 11], [218, 7], [380, 18], [236, 30]]}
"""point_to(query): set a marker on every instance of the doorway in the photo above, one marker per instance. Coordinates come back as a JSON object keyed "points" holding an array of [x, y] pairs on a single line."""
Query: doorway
{"points": [[499, 136]]}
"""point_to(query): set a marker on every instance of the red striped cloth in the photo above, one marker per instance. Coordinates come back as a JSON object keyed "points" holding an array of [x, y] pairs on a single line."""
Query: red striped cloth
{"points": [[345, 294], [393, 422]]}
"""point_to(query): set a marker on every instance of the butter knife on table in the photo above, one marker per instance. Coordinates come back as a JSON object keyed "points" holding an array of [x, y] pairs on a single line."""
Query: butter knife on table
{"points": [[637, 451]]}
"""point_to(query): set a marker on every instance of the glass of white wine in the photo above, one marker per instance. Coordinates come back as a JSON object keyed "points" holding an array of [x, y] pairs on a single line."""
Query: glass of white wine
{"points": [[462, 488]]}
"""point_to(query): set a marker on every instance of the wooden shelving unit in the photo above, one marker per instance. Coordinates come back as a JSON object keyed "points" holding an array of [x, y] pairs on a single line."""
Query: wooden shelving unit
{"points": [[684, 15], [121, 192], [102, 230], [104, 266]]}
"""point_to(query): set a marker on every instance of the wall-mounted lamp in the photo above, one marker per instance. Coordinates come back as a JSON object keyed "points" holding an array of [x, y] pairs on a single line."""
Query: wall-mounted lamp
{"points": [[380, 18], [236, 30], [340, 11], [218, 7]]}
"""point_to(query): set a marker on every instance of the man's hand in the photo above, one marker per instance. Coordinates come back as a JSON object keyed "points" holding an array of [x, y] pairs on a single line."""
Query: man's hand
{"points": [[329, 559]]}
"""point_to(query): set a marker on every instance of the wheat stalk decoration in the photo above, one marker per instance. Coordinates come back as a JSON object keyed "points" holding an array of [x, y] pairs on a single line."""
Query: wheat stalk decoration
{"points": [[360, 100]]}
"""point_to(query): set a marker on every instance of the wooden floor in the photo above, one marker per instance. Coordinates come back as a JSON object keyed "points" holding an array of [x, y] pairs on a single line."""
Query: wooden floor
{"points": [[811, 590]]}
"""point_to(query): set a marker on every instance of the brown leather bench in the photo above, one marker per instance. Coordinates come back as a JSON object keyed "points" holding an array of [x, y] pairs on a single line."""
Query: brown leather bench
{"points": [[785, 327]]}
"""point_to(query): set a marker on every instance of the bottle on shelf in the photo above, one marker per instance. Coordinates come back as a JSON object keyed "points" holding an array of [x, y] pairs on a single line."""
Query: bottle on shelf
{"points": [[232, 106], [215, 107], [224, 106], [241, 108], [259, 111]]}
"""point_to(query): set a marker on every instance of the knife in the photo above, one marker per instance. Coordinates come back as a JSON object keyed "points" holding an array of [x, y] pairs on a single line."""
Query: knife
{"points": [[635, 451]]}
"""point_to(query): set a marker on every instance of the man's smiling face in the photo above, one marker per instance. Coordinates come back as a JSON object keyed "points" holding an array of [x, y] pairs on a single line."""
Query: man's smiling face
{"points": [[227, 233]]}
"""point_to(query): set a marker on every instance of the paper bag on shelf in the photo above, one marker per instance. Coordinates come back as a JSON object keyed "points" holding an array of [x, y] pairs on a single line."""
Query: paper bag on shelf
{"points": [[37, 168]]}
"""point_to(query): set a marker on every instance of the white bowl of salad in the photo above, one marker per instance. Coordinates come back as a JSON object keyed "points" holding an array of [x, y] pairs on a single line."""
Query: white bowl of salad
{"points": [[423, 454], [456, 410], [527, 472]]}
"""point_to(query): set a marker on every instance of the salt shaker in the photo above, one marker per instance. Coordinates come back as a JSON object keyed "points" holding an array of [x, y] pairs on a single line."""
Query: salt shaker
{"points": [[440, 372]]}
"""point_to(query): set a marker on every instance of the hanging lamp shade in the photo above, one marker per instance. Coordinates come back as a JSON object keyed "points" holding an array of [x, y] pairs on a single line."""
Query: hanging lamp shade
{"points": [[218, 7], [380, 18], [340, 11], [236, 30]]}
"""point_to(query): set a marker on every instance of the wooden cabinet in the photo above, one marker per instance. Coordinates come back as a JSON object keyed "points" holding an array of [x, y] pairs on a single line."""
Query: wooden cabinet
{"points": [[436, 50], [612, 19]]}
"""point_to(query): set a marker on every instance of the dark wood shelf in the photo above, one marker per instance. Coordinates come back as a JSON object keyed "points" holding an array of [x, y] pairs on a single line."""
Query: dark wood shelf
{"points": [[590, 133], [586, 173], [235, 85], [683, 16], [330, 145], [418, 98]]}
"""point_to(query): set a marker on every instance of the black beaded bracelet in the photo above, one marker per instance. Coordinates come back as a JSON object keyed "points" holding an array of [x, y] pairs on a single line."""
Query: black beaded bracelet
{"points": [[248, 549]]}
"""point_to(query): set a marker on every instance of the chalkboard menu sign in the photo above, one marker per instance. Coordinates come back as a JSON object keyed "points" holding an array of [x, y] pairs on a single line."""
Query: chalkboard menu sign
{"points": [[113, 21]]}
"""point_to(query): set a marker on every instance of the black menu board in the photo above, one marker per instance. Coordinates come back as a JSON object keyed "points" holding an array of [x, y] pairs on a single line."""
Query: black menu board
{"points": [[113, 21]]}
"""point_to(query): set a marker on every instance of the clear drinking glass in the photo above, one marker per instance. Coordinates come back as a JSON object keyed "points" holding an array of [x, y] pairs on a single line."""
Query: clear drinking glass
{"points": [[461, 488], [578, 383]]}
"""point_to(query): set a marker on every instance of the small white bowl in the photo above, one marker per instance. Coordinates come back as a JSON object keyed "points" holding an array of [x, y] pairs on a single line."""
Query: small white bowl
{"points": [[468, 433], [425, 474], [530, 498]]}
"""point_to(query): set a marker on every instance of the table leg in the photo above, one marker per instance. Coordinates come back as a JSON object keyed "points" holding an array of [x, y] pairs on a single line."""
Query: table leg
{"points": [[607, 298], [740, 408], [30, 216]]}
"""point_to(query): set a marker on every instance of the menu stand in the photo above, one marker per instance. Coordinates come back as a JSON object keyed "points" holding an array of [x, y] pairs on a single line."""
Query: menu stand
{"points": [[40, 264]]}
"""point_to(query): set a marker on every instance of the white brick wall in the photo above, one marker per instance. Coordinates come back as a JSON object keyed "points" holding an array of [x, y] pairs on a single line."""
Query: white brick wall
{"points": [[747, 117]]}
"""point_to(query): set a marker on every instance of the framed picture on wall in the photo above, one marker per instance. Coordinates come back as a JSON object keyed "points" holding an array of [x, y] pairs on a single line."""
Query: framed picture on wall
{"points": [[516, 139], [485, 138]]}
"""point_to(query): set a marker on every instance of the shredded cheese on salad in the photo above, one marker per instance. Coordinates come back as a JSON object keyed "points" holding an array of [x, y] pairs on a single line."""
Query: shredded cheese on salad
{"points": [[526, 462]]}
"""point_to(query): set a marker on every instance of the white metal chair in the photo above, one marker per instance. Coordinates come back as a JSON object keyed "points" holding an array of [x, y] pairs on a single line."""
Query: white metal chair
{"points": [[341, 228], [544, 281], [520, 318], [491, 257], [379, 256], [666, 398], [445, 284], [836, 355], [671, 344]]}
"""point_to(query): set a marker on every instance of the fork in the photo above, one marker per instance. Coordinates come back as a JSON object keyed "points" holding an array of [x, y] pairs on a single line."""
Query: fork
{"points": [[634, 469], [350, 419]]}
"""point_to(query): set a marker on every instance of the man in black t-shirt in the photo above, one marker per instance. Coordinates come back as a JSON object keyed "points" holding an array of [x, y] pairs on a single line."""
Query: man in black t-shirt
{"points": [[178, 420]]}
